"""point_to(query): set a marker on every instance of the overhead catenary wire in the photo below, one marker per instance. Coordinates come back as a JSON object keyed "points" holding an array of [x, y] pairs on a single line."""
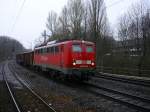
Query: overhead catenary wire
{"points": [[17, 16], [21, 8]]}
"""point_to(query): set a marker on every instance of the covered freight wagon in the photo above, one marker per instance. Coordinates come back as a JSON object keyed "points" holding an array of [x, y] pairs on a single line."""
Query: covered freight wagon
{"points": [[25, 58]]}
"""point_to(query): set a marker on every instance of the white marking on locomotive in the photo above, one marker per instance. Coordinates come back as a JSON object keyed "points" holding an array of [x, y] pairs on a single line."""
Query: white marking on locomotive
{"points": [[78, 61], [88, 62], [44, 58], [83, 62]]}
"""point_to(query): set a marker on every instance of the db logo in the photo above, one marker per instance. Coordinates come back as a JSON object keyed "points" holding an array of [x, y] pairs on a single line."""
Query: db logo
{"points": [[44, 58]]}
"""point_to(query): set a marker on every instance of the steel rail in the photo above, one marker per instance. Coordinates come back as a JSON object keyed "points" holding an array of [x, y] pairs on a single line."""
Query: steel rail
{"points": [[124, 80], [118, 99], [10, 91], [112, 98], [31, 90]]}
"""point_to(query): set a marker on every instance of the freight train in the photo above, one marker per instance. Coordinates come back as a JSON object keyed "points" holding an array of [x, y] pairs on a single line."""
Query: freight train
{"points": [[73, 58]]}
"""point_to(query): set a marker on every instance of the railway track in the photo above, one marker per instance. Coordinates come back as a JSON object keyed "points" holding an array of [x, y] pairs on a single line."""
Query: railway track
{"points": [[132, 101], [41, 102], [125, 80], [15, 105]]}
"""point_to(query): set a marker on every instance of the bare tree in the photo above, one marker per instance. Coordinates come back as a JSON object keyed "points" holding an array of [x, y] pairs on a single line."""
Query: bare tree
{"points": [[52, 22], [97, 23], [97, 18], [64, 21], [123, 34], [76, 11], [133, 30], [85, 20]]}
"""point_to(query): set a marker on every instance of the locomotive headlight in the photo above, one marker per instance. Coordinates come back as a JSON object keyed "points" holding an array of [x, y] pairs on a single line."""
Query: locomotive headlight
{"points": [[74, 63], [92, 63]]}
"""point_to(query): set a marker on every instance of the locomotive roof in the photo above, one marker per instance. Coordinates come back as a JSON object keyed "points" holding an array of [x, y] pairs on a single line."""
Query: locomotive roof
{"points": [[64, 42], [25, 52]]}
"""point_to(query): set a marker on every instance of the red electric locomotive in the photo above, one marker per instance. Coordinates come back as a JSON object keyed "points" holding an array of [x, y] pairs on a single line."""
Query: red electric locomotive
{"points": [[74, 58]]}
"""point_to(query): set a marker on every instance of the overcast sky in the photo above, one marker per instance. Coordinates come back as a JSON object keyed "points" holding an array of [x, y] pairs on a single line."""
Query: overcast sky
{"points": [[31, 21]]}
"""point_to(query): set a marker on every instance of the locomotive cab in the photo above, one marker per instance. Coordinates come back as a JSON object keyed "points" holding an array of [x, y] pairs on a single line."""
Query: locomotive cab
{"points": [[83, 57]]}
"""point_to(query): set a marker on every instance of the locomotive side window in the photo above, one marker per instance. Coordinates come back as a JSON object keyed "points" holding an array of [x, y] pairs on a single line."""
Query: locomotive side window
{"points": [[56, 49], [76, 48], [51, 50], [89, 49], [47, 50], [44, 50], [62, 48], [40, 51], [36, 51]]}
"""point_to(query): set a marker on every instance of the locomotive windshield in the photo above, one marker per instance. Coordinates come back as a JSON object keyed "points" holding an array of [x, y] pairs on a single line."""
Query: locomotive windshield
{"points": [[76, 48], [89, 49]]}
